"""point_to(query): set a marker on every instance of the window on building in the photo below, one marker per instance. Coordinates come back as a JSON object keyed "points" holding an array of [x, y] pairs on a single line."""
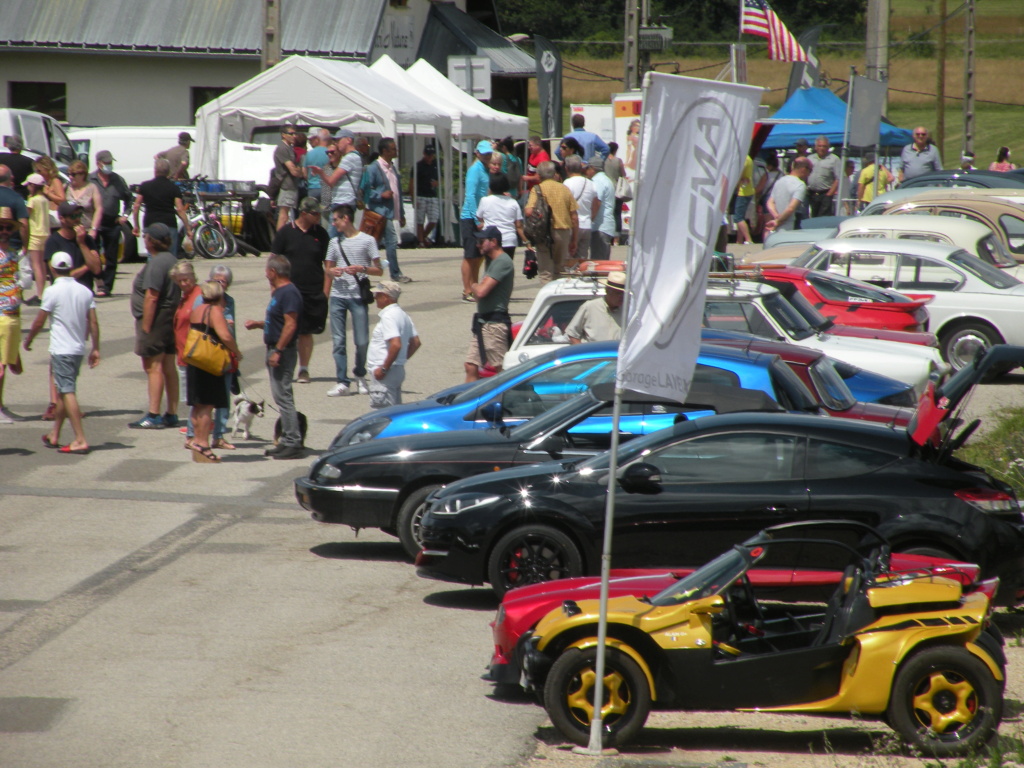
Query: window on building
{"points": [[48, 98], [202, 94]]}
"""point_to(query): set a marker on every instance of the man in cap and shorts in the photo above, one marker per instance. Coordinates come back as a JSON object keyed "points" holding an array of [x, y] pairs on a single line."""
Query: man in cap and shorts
{"points": [[155, 297], [600, 319], [73, 311], [492, 326], [288, 173], [393, 341]]}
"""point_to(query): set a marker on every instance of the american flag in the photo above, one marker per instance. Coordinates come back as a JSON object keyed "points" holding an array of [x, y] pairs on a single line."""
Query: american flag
{"points": [[759, 19]]}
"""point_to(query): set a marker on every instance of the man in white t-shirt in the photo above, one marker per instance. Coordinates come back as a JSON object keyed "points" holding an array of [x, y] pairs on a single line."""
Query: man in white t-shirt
{"points": [[587, 204], [393, 342], [351, 256], [73, 310], [501, 211]]}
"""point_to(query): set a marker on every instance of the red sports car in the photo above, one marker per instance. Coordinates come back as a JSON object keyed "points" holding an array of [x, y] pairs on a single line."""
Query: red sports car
{"points": [[851, 304]]}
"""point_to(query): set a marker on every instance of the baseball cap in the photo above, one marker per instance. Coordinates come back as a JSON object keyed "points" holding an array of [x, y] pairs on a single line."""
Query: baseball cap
{"points": [[389, 288], [484, 148], [158, 231], [69, 208], [185, 136], [61, 261], [489, 233], [310, 205], [104, 156], [596, 162], [35, 178], [345, 133], [429, 150]]}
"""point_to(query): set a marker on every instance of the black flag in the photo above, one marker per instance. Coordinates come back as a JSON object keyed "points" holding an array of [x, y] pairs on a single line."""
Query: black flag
{"points": [[805, 74], [549, 86]]}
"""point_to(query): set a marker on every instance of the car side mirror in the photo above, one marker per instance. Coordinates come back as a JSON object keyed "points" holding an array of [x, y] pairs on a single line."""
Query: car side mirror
{"points": [[491, 413], [640, 478], [550, 444]]}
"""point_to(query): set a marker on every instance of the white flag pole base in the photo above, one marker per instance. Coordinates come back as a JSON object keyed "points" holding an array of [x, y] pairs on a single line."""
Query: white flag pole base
{"points": [[588, 751]]}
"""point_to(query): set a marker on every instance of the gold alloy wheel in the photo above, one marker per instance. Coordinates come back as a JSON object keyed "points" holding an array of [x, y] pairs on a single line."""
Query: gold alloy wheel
{"points": [[581, 697], [945, 702]]}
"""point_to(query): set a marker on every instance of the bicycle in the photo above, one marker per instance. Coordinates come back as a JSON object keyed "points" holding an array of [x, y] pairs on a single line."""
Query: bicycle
{"points": [[209, 235]]}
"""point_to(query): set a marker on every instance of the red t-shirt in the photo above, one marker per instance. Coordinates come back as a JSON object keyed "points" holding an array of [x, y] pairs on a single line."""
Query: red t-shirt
{"points": [[181, 321], [535, 159]]}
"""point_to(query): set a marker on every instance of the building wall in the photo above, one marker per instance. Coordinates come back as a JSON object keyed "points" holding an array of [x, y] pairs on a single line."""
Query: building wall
{"points": [[124, 89]]}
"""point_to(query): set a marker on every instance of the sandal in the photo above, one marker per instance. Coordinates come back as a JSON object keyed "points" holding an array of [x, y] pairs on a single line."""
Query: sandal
{"points": [[223, 444], [189, 445], [201, 454]]}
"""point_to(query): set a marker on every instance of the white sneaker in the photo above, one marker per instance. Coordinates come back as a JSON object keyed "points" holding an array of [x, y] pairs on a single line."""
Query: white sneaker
{"points": [[339, 390], [364, 389]]}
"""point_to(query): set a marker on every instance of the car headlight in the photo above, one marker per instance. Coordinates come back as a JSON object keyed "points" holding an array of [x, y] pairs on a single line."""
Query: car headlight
{"points": [[369, 431], [328, 473], [458, 504]]}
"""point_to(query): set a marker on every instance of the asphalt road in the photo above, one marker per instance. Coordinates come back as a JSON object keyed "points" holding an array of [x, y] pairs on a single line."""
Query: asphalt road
{"points": [[154, 611]]}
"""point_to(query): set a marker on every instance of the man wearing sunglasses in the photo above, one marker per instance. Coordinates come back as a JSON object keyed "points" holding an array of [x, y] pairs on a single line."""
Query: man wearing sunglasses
{"points": [[73, 239], [920, 157]]}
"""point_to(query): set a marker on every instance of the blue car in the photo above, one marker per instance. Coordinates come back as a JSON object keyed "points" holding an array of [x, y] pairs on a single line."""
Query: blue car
{"points": [[532, 388]]}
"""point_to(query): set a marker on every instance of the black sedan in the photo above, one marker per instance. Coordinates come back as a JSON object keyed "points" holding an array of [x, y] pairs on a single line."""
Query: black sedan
{"points": [[706, 484], [384, 483]]}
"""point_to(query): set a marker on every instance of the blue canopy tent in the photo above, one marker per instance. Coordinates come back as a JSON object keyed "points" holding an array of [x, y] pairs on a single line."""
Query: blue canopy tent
{"points": [[821, 103]]}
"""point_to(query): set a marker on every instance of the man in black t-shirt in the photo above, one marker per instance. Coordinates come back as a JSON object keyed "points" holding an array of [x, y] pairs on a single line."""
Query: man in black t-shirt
{"points": [[424, 195], [162, 199], [72, 239], [304, 243]]}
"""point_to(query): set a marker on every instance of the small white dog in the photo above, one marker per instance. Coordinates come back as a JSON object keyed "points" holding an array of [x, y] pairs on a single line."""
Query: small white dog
{"points": [[245, 411]]}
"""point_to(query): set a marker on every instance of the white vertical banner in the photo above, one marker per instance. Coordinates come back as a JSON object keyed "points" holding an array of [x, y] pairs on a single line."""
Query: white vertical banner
{"points": [[694, 137]]}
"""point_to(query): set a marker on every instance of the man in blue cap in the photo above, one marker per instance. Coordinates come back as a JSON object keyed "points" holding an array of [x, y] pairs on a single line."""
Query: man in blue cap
{"points": [[477, 182]]}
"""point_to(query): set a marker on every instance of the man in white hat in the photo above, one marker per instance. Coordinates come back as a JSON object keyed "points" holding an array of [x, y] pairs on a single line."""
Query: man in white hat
{"points": [[73, 310], [393, 342], [600, 319]]}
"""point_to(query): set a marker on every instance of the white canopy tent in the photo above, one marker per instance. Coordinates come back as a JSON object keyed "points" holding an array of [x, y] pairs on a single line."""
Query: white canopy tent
{"points": [[317, 92]]}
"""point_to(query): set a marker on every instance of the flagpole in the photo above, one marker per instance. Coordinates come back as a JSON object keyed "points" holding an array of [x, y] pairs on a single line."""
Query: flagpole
{"points": [[595, 746], [843, 181]]}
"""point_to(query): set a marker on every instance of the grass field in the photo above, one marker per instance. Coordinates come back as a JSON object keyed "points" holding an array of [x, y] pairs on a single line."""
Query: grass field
{"points": [[912, 79]]}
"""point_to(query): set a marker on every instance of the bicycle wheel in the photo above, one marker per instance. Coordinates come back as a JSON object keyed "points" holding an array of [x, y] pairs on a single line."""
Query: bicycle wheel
{"points": [[209, 241], [231, 247]]}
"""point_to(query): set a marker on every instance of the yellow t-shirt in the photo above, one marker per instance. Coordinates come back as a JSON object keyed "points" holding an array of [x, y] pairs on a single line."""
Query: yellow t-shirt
{"points": [[746, 186], [867, 177], [38, 216]]}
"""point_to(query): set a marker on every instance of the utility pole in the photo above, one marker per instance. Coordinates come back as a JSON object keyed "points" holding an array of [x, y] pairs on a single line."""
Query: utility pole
{"points": [[271, 52], [631, 51], [878, 44], [940, 82], [644, 63], [969, 80]]}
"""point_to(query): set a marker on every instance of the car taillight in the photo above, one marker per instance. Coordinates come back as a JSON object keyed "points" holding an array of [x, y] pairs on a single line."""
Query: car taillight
{"points": [[990, 501]]}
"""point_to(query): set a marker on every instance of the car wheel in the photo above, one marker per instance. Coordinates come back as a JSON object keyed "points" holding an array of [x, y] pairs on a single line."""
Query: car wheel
{"points": [[410, 515], [945, 702], [964, 341], [569, 696], [532, 554]]}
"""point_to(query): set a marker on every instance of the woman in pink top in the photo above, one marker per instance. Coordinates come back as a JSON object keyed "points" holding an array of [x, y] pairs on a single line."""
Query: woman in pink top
{"points": [[86, 194], [1002, 162]]}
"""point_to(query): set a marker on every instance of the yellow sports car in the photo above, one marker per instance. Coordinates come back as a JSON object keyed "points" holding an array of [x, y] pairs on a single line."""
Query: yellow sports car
{"points": [[908, 648]]}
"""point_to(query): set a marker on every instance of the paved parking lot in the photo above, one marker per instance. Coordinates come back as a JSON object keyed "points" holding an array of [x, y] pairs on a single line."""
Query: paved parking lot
{"points": [[154, 611]]}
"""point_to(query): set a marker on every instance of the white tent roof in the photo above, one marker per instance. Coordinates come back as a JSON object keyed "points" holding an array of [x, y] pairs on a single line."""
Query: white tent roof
{"points": [[499, 124], [318, 92], [465, 123]]}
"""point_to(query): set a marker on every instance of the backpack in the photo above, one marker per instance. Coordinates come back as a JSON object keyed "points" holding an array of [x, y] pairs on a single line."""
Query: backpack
{"points": [[537, 225]]}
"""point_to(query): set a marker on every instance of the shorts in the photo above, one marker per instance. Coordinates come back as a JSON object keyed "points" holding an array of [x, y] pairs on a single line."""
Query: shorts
{"points": [[160, 339], [10, 339], [427, 210], [313, 319], [65, 372], [740, 210], [37, 242], [387, 391], [496, 344], [467, 231], [288, 198]]}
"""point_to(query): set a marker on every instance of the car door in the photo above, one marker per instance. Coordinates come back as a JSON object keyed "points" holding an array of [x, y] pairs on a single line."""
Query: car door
{"points": [[716, 490], [916, 274], [849, 482]]}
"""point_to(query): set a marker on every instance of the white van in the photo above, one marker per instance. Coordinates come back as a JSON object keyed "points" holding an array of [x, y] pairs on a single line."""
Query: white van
{"points": [[41, 134], [133, 147]]}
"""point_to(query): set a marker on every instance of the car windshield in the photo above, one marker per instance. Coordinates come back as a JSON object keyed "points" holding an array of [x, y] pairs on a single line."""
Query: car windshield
{"points": [[578, 407], [810, 259], [710, 579], [795, 322], [993, 276], [991, 251], [830, 385], [550, 328], [842, 288]]}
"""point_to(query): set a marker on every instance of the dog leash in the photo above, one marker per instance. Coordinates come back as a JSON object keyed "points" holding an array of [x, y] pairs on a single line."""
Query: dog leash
{"points": [[243, 384]]}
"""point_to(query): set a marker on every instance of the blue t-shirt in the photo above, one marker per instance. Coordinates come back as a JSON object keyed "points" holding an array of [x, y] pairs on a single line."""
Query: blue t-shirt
{"points": [[283, 301], [478, 181], [315, 156]]}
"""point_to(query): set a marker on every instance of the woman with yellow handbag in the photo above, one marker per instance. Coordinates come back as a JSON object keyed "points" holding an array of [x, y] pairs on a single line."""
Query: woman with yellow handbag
{"points": [[209, 337]]}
